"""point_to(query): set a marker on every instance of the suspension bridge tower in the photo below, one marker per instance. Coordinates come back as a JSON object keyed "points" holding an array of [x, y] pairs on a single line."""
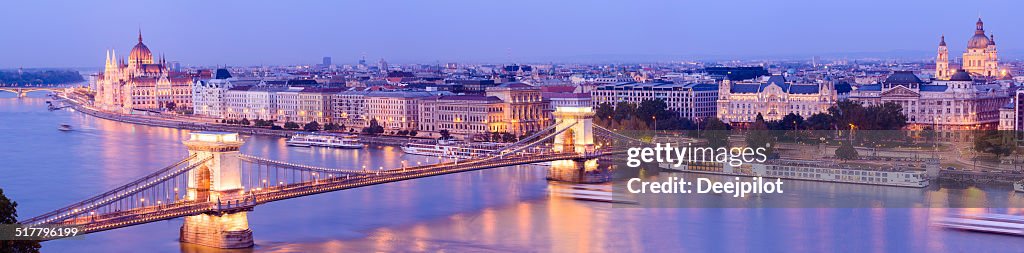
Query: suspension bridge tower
{"points": [[578, 137], [219, 183]]}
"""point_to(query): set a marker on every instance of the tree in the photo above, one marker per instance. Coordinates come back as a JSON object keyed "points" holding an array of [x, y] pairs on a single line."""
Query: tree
{"points": [[652, 109], [759, 136], [887, 116], [716, 132], [291, 125], [263, 123], [374, 128], [170, 106], [413, 133], [791, 122], [445, 135], [330, 127], [885, 120], [624, 110], [507, 137], [687, 124], [999, 143], [9, 215], [312, 126], [846, 151], [604, 111], [820, 121], [244, 122], [929, 134]]}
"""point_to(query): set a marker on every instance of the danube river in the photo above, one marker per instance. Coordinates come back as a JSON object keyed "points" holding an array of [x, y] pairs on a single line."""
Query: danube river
{"points": [[493, 210]]}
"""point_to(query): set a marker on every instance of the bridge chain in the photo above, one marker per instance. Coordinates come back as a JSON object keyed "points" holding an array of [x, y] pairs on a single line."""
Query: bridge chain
{"points": [[254, 159], [116, 195]]}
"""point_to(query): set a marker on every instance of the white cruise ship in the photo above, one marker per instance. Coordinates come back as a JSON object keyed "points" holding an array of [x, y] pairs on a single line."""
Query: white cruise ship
{"points": [[813, 171], [331, 141], [451, 149]]}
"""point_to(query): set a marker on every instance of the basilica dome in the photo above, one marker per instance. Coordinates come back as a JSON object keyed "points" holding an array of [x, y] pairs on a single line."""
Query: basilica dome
{"points": [[141, 55], [979, 40]]}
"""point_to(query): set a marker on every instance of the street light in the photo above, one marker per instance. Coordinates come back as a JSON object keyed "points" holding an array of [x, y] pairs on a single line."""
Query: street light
{"points": [[655, 124]]}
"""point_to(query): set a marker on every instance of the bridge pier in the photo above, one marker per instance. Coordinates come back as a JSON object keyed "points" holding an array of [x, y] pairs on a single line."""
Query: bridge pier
{"points": [[22, 93], [577, 171], [218, 182]]}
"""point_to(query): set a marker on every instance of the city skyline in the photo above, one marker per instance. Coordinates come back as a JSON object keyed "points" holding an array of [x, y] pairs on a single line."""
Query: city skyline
{"points": [[518, 126], [235, 34]]}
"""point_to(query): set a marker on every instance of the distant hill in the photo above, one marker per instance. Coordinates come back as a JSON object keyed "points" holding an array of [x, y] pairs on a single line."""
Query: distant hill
{"points": [[49, 76]]}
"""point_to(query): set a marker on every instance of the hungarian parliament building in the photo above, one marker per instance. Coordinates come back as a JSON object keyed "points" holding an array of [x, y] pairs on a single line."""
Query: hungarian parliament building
{"points": [[140, 83]]}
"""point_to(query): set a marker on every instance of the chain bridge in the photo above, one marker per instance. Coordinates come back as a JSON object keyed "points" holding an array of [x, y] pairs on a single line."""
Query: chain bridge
{"points": [[215, 186]]}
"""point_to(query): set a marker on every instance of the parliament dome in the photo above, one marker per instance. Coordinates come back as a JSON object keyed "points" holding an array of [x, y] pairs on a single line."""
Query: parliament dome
{"points": [[140, 54]]}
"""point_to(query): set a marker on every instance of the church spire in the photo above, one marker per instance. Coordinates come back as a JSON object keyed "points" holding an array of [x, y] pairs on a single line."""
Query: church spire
{"points": [[942, 41], [140, 35]]}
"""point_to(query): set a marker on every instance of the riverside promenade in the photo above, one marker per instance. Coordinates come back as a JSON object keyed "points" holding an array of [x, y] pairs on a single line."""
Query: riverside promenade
{"points": [[179, 122]]}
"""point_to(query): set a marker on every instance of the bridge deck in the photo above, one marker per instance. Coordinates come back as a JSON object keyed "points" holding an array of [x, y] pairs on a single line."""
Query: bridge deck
{"points": [[253, 197]]}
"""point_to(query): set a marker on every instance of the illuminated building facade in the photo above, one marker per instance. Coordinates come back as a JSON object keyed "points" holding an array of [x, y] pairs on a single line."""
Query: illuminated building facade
{"points": [[524, 110], [140, 83], [950, 106], [464, 116], [690, 100], [774, 98], [980, 59]]}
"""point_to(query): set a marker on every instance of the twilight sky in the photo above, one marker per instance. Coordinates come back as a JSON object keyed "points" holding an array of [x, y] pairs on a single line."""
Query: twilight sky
{"points": [[47, 33]]}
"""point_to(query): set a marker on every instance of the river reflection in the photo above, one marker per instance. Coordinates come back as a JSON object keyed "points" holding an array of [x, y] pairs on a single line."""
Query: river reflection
{"points": [[498, 210]]}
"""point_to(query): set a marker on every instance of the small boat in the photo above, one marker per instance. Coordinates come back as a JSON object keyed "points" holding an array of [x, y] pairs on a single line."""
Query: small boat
{"points": [[585, 192], [330, 141], [986, 223], [1019, 186], [64, 127]]}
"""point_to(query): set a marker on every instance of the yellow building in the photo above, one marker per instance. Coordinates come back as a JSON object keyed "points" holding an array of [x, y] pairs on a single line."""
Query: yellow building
{"points": [[980, 59], [464, 116], [524, 107]]}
